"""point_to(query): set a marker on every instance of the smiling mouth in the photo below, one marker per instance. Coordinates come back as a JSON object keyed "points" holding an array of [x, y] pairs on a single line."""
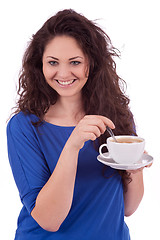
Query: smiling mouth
{"points": [[65, 83]]}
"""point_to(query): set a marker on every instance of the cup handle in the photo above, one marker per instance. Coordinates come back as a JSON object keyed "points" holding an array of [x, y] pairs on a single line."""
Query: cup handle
{"points": [[100, 150]]}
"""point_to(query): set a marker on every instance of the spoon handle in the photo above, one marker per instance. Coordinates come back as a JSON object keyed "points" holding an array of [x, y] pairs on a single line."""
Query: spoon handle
{"points": [[111, 133]]}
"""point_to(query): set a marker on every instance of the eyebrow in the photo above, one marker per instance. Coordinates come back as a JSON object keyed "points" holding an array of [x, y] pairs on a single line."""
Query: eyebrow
{"points": [[69, 58], [75, 57]]}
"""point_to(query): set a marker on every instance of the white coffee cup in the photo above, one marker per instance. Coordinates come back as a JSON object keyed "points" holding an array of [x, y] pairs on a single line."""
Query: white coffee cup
{"points": [[128, 149]]}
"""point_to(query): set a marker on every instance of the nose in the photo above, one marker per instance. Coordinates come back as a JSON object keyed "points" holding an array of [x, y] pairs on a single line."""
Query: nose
{"points": [[63, 72]]}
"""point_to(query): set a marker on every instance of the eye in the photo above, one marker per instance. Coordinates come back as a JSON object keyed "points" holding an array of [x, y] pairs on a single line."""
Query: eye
{"points": [[75, 62], [53, 63]]}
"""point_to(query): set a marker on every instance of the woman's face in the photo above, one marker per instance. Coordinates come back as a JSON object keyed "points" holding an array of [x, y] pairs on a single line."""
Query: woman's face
{"points": [[65, 66]]}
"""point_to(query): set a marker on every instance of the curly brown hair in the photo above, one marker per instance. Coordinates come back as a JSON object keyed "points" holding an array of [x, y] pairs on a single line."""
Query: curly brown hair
{"points": [[103, 94]]}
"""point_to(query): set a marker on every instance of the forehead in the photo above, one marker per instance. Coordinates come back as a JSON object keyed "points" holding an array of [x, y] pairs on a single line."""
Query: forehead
{"points": [[63, 46]]}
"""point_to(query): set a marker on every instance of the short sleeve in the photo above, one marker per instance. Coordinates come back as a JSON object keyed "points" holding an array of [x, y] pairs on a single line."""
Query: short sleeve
{"points": [[27, 161]]}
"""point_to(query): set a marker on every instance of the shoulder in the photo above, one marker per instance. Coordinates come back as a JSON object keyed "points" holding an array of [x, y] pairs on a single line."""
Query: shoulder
{"points": [[21, 121]]}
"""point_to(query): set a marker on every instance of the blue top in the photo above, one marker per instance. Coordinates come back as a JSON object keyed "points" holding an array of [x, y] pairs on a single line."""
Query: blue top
{"points": [[97, 210]]}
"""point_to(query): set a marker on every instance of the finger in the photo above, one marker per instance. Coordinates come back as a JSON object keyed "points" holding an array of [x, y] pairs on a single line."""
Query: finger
{"points": [[93, 129], [145, 152], [99, 124], [107, 121], [100, 121], [89, 136], [92, 136], [149, 165], [94, 121]]}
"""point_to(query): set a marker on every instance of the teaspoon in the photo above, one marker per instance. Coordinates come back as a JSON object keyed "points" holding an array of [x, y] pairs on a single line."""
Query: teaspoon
{"points": [[111, 133]]}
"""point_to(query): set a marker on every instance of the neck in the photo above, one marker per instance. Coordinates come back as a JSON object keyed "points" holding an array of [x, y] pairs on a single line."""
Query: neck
{"points": [[70, 105], [68, 109]]}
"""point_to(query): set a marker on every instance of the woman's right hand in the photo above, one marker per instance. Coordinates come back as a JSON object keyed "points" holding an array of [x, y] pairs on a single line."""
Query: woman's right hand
{"points": [[89, 127]]}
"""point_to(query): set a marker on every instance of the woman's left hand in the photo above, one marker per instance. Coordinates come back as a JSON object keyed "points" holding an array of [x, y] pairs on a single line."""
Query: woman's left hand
{"points": [[139, 169]]}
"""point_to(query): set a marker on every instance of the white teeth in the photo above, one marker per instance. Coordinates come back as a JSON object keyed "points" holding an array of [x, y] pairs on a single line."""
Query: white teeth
{"points": [[65, 82]]}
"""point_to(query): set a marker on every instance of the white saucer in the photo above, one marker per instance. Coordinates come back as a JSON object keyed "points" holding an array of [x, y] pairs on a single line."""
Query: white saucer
{"points": [[144, 161]]}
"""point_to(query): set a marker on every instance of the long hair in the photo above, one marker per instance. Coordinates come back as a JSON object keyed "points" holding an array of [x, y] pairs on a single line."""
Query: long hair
{"points": [[103, 94]]}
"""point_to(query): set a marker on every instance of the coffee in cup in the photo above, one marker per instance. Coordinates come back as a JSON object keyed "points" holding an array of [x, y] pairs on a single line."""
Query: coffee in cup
{"points": [[127, 149]]}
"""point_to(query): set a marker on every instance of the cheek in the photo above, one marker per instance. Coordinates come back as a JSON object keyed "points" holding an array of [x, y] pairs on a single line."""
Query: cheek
{"points": [[83, 72], [48, 72]]}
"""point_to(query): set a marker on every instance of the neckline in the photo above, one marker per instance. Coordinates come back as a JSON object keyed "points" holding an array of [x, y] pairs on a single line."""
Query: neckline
{"points": [[55, 125]]}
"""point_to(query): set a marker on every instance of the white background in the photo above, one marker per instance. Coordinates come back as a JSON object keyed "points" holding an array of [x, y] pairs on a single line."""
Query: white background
{"points": [[133, 27]]}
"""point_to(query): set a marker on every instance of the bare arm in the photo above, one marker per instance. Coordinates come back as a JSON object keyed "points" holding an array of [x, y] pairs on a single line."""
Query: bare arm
{"points": [[55, 198], [134, 194]]}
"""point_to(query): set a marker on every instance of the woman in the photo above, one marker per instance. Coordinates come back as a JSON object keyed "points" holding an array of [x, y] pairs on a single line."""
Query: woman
{"points": [[69, 92]]}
